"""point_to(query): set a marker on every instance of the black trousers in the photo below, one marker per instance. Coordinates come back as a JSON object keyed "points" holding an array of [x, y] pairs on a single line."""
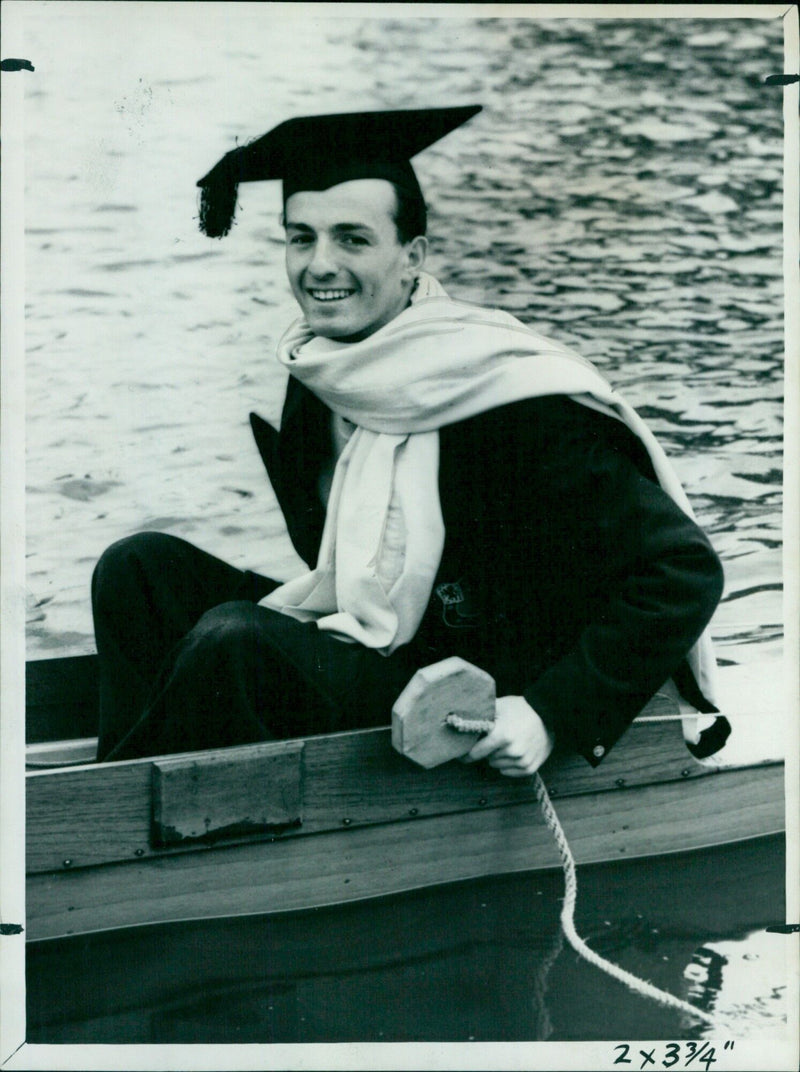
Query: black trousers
{"points": [[188, 660]]}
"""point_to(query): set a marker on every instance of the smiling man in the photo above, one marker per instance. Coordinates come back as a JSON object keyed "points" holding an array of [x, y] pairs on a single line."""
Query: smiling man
{"points": [[349, 278], [457, 484]]}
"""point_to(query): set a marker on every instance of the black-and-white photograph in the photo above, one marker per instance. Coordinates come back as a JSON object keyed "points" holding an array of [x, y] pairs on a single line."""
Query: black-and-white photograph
{"points": [[436, 697]]}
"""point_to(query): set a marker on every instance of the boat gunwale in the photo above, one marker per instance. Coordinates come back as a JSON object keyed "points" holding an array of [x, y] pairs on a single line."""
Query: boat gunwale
{"points": [[527, 847]]}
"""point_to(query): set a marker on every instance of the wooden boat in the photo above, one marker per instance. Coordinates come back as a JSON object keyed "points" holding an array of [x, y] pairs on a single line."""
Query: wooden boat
{"points": [[322, 820]]}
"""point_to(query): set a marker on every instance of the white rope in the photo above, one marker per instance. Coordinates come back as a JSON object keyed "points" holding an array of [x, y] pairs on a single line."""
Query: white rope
{"points": [[633, 982], [640, 986], [731, 717], [468, 725]]}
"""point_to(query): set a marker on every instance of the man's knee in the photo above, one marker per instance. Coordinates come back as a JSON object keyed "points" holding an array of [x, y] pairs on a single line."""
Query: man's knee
{"points": [[228, 627], [126, 556]]}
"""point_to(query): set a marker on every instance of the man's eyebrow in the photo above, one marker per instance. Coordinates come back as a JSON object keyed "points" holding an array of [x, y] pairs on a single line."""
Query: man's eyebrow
{"points": [[353, 227], [337, 228]]}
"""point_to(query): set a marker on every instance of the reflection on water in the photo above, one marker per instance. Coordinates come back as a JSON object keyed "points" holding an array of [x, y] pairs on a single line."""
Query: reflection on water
{"points": [[479, 961], [736, 980]]}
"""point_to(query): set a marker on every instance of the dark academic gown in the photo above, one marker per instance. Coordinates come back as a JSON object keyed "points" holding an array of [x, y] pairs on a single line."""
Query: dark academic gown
{"points": [[567, 573]]}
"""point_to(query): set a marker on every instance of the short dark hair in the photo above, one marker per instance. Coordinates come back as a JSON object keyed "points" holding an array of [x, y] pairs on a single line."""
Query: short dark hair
{"points": [[411, 214]]}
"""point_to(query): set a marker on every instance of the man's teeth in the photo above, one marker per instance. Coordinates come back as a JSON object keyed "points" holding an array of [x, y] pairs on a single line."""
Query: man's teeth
{"points": [[330, 295]]}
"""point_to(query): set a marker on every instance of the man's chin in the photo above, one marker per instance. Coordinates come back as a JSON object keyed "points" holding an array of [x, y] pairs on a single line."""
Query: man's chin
{"points": [[328, 328]]}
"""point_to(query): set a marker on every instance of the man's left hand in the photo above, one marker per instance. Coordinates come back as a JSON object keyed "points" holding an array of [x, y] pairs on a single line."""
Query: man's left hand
{"points": [[519, 742]]}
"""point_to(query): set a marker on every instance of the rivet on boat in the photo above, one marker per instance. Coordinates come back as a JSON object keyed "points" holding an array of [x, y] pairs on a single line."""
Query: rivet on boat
{"points": [[68, 863], [619, 782], [685, 772], [413, 811], [139, 852], [346, 822], [482, 802]]}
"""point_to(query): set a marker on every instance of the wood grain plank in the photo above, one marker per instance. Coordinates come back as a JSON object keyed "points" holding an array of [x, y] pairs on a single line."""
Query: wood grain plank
{"points": [[216, 795], [102, 813], [369, 861]]}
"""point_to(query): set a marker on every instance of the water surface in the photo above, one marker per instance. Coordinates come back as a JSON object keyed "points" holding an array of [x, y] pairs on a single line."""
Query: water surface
{"points": [[474, 962]]}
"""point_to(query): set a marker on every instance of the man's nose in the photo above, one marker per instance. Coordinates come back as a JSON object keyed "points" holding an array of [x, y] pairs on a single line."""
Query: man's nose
{"points": [[322, 262]]}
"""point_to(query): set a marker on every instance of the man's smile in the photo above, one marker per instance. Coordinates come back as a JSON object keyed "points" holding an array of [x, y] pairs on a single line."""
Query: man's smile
{"points": [[329, 295]]}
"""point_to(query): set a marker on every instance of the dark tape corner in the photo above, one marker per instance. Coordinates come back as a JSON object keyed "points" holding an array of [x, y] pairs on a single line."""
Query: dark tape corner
{"points": [[16, 65]]}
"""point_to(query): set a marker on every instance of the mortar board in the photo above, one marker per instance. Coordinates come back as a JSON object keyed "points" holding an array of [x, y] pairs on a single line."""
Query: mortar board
{"points": [[319, 151]]}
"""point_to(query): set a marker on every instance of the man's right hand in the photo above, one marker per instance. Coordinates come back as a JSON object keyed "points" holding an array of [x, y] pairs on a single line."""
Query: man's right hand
{"points": [[518, 743]]}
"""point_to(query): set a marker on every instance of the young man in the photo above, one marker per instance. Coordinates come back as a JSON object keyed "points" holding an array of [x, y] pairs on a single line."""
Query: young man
{"points": [[457, 485]]}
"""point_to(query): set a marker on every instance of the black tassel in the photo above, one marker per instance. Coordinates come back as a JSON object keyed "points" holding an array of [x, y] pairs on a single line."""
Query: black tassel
{"points": [[217, 205]]}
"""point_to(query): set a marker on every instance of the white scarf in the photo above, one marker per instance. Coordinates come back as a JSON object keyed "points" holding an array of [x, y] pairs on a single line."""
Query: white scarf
{"points": [[438, 362]]}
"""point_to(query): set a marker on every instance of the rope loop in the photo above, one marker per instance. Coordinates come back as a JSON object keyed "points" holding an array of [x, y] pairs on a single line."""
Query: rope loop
{"points": [[468, 725]]}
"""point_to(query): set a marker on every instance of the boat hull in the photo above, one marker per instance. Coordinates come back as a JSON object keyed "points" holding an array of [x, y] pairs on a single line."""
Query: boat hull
{"points": [[374, 859], [289, 825]]}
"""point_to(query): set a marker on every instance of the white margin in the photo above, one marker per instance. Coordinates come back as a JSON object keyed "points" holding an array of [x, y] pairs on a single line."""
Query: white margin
{"points": [[12, 543], [791, 503]]}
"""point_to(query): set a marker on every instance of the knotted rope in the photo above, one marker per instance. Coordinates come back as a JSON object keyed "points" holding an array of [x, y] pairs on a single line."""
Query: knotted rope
{"points": [[633, 982]]}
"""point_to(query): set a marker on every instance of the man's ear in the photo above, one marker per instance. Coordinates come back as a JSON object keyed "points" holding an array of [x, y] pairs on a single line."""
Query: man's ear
{"points": [[416, 252]]}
